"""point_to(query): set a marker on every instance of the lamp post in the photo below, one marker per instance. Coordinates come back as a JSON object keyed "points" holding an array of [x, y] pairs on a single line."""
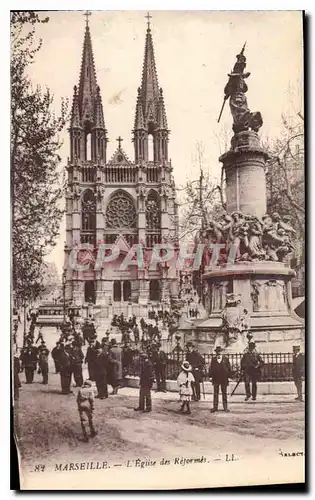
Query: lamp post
{"points": [[64, 294], [24, 321], [177, 347]]}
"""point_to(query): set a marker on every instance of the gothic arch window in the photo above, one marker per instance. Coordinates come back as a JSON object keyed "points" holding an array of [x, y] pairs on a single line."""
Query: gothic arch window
{"points": [[153, 213], [88, 146], [150, 147], [121, 211], [88, 211]]}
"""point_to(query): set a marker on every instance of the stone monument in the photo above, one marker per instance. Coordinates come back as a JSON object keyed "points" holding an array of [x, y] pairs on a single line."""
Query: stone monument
{"points": [[249, 289]]}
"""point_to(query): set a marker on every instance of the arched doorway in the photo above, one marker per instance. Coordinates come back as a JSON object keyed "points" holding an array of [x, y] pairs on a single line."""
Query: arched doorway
{"points": [[126, 291], [89, 291], [117, 291], [154, 290]]}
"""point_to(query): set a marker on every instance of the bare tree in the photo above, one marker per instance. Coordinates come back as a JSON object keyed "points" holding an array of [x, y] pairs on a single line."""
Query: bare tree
{"points": [[200, 199]]}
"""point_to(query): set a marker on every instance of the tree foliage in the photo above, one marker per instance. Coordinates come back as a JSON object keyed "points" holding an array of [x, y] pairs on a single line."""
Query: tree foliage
{"points": [[36, 189], [285, 175], [51, 280], [285, 180]]}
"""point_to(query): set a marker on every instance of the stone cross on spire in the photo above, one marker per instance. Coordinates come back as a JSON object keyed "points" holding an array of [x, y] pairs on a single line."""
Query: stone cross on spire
{"points": [[119, 140], [148, 17], [87, 13]]}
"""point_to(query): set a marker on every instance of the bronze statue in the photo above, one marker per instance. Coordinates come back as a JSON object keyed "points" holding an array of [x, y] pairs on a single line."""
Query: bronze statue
{"points": [[235, 89]]}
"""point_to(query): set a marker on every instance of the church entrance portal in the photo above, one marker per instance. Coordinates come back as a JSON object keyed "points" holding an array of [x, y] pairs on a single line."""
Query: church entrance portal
{"points": [[89, 291], [122, 291]]}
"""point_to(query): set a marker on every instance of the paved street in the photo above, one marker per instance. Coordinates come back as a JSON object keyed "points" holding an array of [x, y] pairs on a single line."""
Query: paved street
{"points": [[49, 428]]}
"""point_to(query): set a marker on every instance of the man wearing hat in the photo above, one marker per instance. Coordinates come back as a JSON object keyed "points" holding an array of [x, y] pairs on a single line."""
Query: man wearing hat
{"points": [[219, 372], [78, 358], [146, 382], [16, 376], [29, 360], [115, 365], [298, 371], [90, 357], [101, 368], [251, 363], [66, 367], [159, 360], [43, 353], [197, 363]]}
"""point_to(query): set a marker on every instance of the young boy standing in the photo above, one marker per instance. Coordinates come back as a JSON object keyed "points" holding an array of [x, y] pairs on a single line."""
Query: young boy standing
{"points": [[85, 401]]}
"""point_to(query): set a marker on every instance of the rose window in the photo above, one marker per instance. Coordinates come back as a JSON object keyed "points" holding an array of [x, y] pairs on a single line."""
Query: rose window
{"points": [[121, 211]]}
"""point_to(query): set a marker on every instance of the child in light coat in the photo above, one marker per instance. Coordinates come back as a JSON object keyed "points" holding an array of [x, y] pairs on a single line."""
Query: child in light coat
{"points": [[85, 402], [184, 380]]}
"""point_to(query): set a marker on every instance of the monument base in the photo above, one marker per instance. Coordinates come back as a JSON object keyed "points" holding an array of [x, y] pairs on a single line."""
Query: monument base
{"points": [[262, 293]]}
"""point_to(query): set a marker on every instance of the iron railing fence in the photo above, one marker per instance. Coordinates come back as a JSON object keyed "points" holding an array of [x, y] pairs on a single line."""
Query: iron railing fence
{"points": [[277, 366]]}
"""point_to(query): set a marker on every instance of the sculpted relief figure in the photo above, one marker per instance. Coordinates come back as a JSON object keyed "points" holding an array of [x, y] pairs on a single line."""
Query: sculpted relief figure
{"points": [[276, 239], [141, 190], [254, 239]]}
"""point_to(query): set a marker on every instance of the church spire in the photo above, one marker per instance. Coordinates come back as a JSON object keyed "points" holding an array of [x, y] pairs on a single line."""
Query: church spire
{"points": [[150, 116], [149, 84], [139, 118], [87, 130], [161, 117], [88, 82]]}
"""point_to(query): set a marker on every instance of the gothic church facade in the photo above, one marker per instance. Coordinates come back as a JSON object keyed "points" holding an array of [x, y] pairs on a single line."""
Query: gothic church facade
{"points": [[116, 200]]}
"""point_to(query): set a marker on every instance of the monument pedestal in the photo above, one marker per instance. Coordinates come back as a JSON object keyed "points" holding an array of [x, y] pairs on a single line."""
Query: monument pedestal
{"points": [[264, 290]]}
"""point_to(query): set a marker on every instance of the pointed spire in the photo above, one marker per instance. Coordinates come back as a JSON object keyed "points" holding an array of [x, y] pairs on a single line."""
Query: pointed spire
{"points": [[149, 84], [99, 115], [161, 121], [139, 118], [75, 113], [88, 82]]}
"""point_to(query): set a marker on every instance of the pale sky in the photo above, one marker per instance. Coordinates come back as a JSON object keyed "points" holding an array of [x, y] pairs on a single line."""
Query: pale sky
{"points": [[194, 51]]}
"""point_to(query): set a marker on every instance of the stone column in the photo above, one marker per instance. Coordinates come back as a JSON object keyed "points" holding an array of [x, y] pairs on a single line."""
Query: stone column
{"points": [[244, 167]]}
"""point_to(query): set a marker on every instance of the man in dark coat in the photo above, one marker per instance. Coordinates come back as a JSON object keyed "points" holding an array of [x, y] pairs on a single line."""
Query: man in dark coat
{"points": [[127, 359], [197, 363], [90, 357], [115, 365], [29, 361], [100, 372], [16, 377], [77, 360], [66, 364], [146, 382], [55, 356], [136, 333], [298, 371], [251, 363], [134, 320], [43, 353], [219, 372], [159, 360]]}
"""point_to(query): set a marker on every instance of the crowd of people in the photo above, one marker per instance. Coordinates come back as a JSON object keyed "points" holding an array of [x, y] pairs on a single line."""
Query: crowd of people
{"points": [[108, 362], [146, 331]]}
